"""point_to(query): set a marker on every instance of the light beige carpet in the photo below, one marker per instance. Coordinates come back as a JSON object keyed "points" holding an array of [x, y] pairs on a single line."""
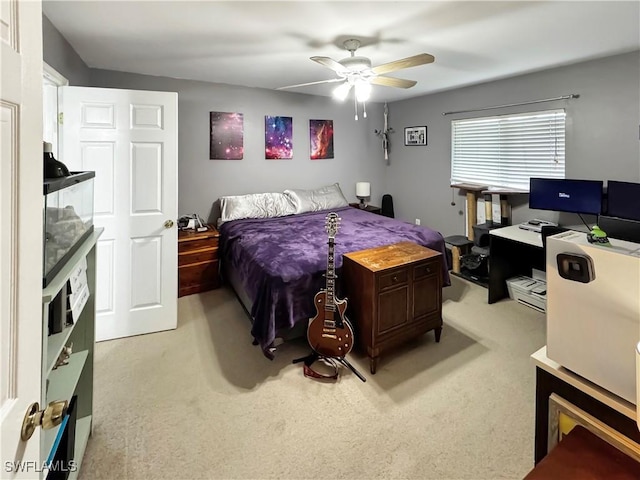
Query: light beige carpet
{"points": [[201, 402]]}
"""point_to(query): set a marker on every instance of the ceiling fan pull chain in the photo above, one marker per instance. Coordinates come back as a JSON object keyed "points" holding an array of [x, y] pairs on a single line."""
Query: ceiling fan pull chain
{"points": [[364, 109], [355, 104]]}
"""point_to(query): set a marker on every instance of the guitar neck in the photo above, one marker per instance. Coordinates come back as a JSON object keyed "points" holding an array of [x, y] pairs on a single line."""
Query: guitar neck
{"points": [[330, 304]]}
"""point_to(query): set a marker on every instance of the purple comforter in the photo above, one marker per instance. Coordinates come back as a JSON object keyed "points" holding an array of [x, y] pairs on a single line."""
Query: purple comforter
{"points": [[281, 261]]}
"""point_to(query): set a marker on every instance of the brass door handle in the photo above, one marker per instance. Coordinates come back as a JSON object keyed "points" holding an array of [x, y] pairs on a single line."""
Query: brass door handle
{"points": [[48, 418], [168, 224]]}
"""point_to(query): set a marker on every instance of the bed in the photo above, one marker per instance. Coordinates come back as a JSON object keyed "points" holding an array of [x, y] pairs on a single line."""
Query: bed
{"points": [[276, 265]]}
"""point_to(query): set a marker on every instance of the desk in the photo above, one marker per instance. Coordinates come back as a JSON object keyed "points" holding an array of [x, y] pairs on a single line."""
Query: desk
{"points": [[613, 411], [512, 251]]}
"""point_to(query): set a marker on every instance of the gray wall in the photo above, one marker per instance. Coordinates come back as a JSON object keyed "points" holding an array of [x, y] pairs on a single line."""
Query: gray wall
{"points": [[59, 54], [601, 142], [601, 137], [201, 181]]}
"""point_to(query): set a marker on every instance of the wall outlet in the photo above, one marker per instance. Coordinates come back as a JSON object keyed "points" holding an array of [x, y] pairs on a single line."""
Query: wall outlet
{"points": [[417, 221]]}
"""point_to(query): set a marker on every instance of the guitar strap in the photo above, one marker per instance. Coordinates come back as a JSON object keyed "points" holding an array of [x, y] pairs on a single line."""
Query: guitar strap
{"points": [[311, 373]]}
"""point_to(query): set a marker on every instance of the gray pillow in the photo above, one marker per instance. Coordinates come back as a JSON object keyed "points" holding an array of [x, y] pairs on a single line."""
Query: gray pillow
{"points": [[323, 198], [255, 205]]}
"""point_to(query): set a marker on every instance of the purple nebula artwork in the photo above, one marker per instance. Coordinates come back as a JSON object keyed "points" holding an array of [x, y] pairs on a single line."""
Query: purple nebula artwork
{"points": [[226, 136], [321, 139], [278, 141]]}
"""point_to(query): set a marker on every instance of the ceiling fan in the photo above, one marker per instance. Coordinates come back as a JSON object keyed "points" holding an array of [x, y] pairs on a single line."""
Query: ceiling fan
{"points": [[357, 72]]}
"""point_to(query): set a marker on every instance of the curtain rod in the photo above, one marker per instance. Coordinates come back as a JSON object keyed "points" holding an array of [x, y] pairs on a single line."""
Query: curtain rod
{"points": [[564, 97]]}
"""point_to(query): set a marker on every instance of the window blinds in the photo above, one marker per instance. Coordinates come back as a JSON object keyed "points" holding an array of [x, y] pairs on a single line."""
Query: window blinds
{"points": [[505, 151]]}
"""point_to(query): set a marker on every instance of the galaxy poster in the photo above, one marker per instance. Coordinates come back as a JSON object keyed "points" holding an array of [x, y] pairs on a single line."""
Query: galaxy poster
{"points": [[321, 139], [226, 136], [278, 137]]}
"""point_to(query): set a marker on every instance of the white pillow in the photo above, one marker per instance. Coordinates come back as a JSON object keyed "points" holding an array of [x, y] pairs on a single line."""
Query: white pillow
{"points": [[323, 198], [255, 205]]}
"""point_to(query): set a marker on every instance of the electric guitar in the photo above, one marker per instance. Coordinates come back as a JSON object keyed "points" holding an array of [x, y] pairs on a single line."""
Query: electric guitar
{"points": [[329, 332]]}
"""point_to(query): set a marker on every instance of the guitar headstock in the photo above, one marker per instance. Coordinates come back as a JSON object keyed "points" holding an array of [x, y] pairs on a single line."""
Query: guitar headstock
{"points": [[332, 221]]}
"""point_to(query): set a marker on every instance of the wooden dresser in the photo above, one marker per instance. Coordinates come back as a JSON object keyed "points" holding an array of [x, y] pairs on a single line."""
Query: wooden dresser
{"points": [[394, 294], [197, 261]]}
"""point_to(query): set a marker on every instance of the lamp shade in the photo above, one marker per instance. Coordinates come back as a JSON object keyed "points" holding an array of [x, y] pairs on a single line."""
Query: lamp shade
{"points": [[363, 189], [363, 90], [341, 91]]}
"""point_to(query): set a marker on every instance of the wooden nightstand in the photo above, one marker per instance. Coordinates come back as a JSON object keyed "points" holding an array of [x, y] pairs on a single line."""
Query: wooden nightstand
{"points": [[368, 208], [394, 294], [197, 261]]}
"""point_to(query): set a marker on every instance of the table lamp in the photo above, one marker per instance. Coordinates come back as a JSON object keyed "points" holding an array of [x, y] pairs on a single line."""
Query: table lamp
{"points": [[363, 191]]}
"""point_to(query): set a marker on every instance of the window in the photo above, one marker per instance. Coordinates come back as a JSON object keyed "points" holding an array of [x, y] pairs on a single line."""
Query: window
{"points": [[505, 151]]}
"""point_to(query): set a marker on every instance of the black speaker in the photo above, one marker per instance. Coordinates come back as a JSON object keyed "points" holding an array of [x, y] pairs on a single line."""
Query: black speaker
{"points": [[387, 206]]}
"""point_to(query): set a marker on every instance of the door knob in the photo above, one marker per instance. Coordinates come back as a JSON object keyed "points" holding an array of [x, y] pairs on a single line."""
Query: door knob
{"points": [[48, 418], [168, 224]]}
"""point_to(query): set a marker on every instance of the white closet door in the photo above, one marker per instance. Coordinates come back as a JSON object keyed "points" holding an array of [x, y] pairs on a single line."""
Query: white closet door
{"points": [[130, 139]]}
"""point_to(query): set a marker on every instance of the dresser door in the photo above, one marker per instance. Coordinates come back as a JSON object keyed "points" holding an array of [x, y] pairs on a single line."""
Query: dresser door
{"points": [[393, 301], [426, 290]]}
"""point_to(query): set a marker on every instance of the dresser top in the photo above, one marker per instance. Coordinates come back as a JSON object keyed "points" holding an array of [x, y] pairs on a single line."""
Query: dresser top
{"points": [[188, 235], [390, 256]]}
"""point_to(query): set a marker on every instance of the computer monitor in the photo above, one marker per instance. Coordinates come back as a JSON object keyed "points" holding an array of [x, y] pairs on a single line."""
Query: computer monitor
{"points": [[623, 200], [562, 195]]}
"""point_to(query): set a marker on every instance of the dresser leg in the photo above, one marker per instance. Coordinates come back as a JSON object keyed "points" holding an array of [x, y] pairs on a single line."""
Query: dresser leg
{"points": [[373, 364], [438, 332]]}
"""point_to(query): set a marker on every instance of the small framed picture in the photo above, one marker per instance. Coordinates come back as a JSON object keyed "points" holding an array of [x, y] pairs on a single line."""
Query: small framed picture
{"points": [[415, 136]]}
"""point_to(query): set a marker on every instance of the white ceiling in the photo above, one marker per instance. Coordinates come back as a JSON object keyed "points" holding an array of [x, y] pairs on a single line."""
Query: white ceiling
{"points": [[268, 44]]}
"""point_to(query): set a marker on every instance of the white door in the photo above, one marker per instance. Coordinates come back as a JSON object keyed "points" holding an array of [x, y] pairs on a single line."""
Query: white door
{"points": [[21, 204], [130, 139]]}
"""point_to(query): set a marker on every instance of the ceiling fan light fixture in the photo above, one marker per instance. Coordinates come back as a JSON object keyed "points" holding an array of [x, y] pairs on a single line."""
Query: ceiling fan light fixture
{"points": [[356, 71], [363, 90], [341, 91]]}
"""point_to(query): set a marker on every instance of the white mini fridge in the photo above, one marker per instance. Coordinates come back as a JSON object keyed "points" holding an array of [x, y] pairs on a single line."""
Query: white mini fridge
{"points": [[593, 309]]}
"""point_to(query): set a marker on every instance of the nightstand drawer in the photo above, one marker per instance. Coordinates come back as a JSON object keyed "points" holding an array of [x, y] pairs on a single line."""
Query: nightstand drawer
{"points": [[198, 274], [425, 269], [198, 244], [198, 256], [392, 279]]}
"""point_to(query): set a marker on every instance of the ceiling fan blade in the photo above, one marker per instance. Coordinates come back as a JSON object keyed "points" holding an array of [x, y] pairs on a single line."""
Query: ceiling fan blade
{"points": [[393, 82], [408, 62], [330, 63], [311, 83]]}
